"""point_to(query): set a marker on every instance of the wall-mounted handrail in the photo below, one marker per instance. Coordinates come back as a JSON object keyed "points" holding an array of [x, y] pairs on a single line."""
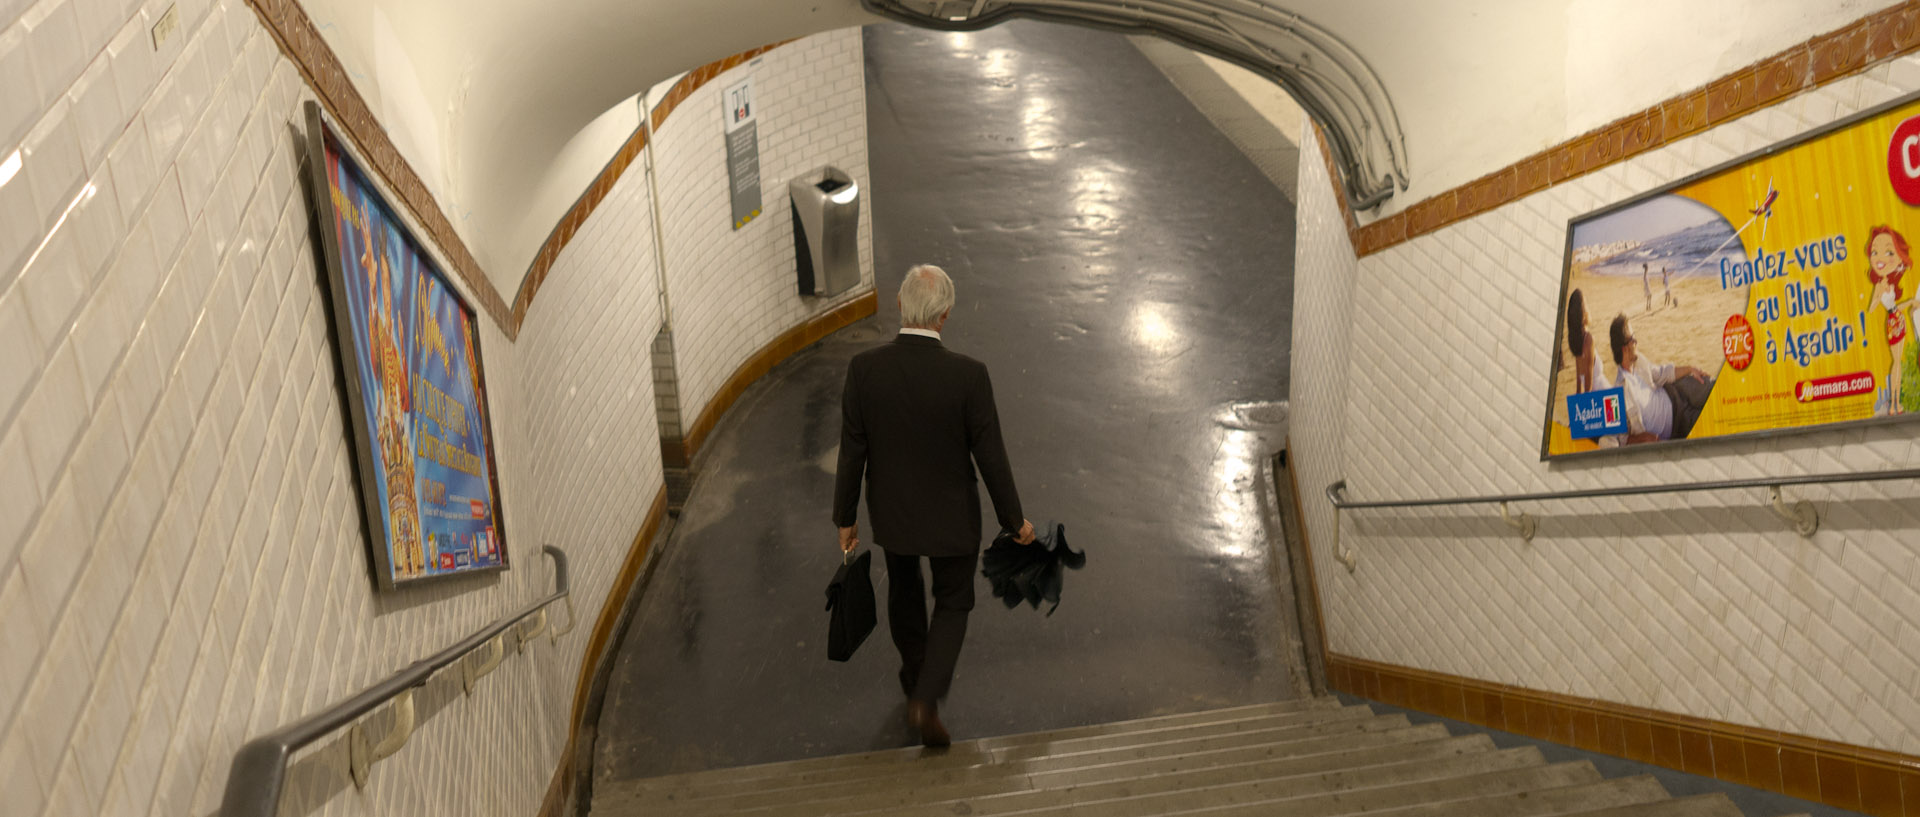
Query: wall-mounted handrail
{"points": [[1802, 514], [259, 769], [1629, 490]]}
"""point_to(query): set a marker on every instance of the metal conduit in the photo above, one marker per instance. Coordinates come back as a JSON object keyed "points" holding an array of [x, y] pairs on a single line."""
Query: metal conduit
{"points": [[1341, 91]]}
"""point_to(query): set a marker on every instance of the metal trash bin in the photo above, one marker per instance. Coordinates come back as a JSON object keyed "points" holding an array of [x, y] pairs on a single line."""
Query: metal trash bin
{"points": [[826, 230]]}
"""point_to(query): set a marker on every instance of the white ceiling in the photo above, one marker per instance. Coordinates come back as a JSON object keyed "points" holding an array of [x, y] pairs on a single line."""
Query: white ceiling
{"points": [[491, 100]]}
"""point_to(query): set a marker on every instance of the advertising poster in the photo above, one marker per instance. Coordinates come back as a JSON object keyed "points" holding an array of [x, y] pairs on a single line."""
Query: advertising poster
{"points": [[410, 353], [1773, 294]]}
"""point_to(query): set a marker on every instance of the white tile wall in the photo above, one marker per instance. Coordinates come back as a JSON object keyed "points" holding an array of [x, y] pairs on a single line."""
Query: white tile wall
{"points": [[593, 441], [182, 563], [1426, 379], [731, 292], [182, 559]]}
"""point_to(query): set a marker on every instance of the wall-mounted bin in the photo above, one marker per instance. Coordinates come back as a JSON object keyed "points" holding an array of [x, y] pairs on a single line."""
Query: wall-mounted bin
{"points": [[826, 230]]}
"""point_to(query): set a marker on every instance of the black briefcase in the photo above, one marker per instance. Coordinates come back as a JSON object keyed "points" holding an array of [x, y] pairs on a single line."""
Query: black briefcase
{"points": [[850, 599]]}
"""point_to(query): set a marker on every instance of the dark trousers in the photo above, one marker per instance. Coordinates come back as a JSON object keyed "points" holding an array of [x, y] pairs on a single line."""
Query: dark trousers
{"points": [[929, 648], [1689, 396]]}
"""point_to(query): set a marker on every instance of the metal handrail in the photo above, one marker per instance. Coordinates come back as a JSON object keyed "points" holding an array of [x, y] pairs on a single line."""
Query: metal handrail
{"points": [[1333, 490], [259, 769], [1802, 514]]}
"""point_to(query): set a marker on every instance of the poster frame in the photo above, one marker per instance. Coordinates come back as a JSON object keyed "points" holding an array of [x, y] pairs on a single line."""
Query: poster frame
{"points": [[1566, 280], [347, 352]]}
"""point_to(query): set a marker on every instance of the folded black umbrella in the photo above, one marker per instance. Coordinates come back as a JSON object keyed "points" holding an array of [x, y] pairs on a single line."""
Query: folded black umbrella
{"points": [[1030, 573]]}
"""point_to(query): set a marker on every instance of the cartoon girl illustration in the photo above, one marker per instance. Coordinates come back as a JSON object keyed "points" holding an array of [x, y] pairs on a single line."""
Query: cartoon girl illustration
{"points": [[1888, 260]]}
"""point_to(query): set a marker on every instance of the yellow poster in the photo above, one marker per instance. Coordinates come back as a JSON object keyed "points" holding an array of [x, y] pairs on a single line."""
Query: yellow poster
{"points": [[1770, 295]]}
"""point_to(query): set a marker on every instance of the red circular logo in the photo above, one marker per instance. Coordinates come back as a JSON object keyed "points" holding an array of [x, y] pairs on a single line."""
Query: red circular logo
{"points": [[1903, 161], [1736, 342]]}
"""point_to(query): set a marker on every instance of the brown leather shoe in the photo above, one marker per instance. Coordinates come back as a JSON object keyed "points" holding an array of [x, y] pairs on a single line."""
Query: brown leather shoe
{"points": [[925, 717]]}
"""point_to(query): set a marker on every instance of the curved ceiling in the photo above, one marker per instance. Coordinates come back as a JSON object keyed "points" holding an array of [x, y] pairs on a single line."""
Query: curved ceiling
{"points": [[508, 108]]}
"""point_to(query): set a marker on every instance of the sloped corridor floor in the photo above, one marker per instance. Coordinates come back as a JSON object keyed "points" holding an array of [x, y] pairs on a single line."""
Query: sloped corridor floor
{"points": [[1125, 273]]}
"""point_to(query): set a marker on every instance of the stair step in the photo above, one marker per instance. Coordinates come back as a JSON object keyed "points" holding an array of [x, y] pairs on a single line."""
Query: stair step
{"points": [[1699, 805], [1019, 770], [1316, 794], [1313, 754], [1624, 791], [1274, 760], [997, 751], [1318, 707], [1267, 758], [1161, 792]]}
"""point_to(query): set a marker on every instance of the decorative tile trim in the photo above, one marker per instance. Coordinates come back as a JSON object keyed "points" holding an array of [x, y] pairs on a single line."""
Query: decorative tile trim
{"points": [[770, 355], [300, 41], [1306, 546], [598, 642], [1873, 39], [1872, 781], [583, 207]]}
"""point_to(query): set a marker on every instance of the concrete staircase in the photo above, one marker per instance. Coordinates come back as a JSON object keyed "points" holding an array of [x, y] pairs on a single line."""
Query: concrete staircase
{"points": [[1308, 757]]}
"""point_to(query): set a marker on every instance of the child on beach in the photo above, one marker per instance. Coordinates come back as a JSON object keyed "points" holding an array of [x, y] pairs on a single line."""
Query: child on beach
{"points": [[1888, 260]]}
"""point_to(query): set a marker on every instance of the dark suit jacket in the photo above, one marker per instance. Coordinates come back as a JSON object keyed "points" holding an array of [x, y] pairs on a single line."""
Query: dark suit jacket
{"points": [[916, 419]]}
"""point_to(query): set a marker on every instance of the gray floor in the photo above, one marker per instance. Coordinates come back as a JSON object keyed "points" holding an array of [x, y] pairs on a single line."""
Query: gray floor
{"points": [[1126, 275], [1752, 802]]}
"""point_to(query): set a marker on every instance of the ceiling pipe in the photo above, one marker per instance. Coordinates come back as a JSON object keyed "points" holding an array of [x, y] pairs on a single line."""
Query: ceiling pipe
{"points": [[1341, 92]]}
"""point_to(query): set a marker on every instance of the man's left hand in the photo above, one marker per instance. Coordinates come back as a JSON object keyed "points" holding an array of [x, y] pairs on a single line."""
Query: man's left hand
{"points": [[1025, 536], [849, 538]]}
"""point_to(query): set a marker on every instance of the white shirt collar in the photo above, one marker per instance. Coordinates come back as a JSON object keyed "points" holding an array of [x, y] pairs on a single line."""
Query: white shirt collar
{"points": [[925, 333]]}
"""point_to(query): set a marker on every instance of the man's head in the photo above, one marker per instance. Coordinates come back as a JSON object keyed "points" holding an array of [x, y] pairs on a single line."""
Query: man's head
{"points": [[926, 296], [1620, 337]]}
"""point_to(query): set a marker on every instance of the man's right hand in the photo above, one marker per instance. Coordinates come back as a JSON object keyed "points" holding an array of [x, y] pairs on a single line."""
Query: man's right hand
{"points": [[1025, 536], [849, 538]]}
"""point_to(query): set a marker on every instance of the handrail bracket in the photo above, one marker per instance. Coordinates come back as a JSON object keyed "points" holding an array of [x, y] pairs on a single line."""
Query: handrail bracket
{"points": [[523, 634], [553, 636], [363, 753], [1802, 515], [1341, 553], [470, 674], [1521, 522]]}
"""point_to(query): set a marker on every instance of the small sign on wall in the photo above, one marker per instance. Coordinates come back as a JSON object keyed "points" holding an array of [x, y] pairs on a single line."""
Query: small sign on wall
{"points": [[741, 112]]}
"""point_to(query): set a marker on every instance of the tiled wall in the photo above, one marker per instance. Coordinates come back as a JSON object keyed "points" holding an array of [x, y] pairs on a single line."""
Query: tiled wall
{"points": [[591, 427], [182, 562], [1324, 271], [731, 292], [1703, 604]]}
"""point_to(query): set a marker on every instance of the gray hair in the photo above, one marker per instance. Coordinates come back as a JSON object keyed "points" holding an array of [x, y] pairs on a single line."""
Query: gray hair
{"points": [[925, 295]]}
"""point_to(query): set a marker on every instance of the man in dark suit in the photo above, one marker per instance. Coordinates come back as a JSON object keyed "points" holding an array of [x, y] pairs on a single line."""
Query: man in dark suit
{"points": [[916, 420]]}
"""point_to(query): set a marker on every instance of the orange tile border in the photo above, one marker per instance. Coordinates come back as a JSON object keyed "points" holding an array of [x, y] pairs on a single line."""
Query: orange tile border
{"points": [[599, 641], [300, 41], [770, 355], [1837, 774], [576, 216], [1838, 54]]}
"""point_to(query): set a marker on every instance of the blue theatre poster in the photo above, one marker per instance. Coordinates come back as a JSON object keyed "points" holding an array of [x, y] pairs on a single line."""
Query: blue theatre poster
{"points": [[410, 353]]}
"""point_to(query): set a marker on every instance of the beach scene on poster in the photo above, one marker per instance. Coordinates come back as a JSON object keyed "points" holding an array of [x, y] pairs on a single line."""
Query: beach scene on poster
{"points": [[1774, 295], [421, 392]]}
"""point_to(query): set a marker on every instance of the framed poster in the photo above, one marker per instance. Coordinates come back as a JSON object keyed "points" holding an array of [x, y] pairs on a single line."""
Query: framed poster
{"points": [[1772, 294], [742, 120], [409, 352]]}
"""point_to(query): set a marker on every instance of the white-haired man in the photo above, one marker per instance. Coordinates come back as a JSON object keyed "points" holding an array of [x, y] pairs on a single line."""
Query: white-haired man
{"points": [[916, 420]]}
